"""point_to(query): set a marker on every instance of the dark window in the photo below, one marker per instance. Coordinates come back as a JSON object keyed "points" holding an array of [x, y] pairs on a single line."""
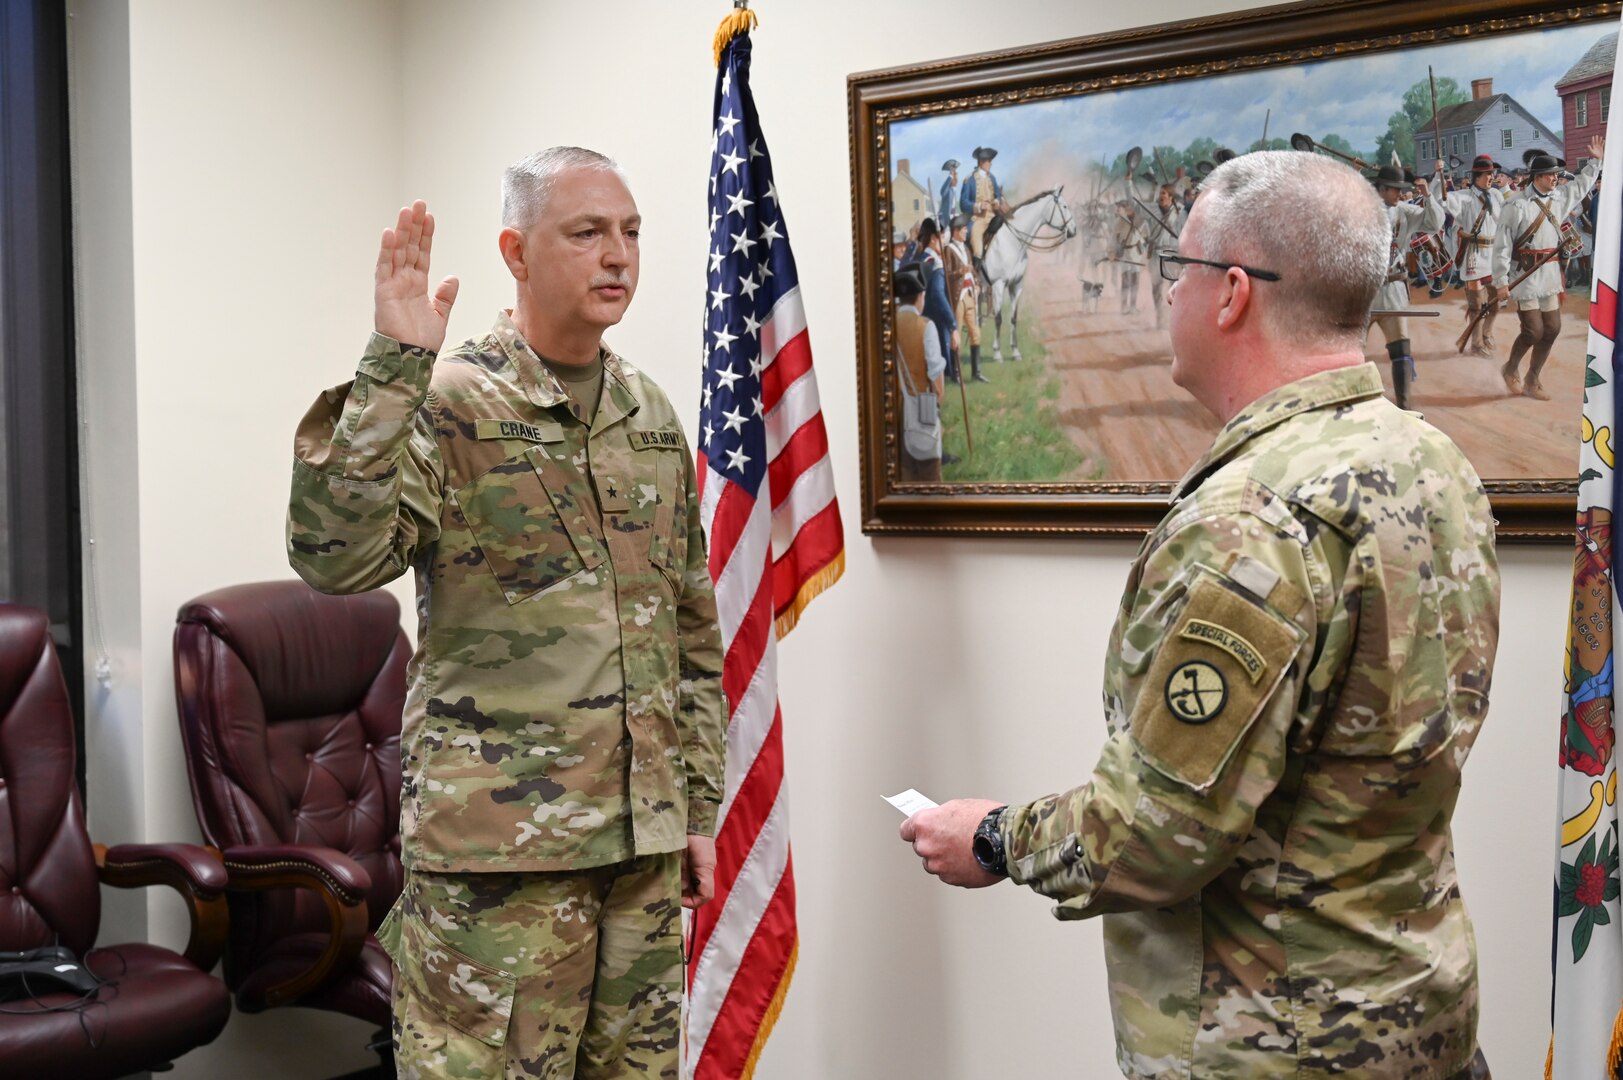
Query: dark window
{"points": [[1581, 115], [39, 477], [1605, 102]]}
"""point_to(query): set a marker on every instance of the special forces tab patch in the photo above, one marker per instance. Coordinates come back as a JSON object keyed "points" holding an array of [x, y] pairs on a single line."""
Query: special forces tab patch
{"points": [[1230, 642], [1217, 667]]}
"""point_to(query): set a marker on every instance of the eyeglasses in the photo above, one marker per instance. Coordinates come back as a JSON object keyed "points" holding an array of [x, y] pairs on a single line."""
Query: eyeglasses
{"points": [[1172, 266]]}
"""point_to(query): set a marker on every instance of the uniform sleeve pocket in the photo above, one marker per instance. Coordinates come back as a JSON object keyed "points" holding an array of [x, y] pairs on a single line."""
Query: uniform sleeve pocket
{"points": [[1222, 661], [522, 526], [449, 988]]}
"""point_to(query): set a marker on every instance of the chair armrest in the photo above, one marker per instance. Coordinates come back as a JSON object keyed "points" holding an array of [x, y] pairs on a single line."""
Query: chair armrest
{"points": [[340, 882], [191, 870]]}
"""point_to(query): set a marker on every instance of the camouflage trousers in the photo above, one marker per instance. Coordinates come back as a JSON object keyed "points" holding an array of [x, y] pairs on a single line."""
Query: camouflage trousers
{"points": [[549, 975]]}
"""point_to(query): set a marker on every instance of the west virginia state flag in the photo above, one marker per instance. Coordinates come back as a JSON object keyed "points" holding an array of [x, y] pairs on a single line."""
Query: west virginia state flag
{"points": [[1587, 1002]]}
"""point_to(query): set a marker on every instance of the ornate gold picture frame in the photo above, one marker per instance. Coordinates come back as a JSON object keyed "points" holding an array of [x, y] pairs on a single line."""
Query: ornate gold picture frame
{"points": [[1084, 433]]}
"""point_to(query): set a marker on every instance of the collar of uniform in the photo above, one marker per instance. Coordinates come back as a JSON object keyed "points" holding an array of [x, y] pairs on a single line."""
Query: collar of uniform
{"points": [[1357, 382], [617, 401], [540, 385]]}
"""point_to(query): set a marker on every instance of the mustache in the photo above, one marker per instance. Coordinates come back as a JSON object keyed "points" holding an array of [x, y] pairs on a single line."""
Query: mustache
{"points": [[602, 280]]}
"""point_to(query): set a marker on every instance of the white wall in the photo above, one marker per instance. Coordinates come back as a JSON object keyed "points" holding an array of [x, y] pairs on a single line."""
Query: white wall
{"points": [[229, 190], [269, 144]]}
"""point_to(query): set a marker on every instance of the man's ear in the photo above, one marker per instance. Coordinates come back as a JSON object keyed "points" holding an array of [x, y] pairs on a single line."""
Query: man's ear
{"points": [[511, 242], [1236, 299]]}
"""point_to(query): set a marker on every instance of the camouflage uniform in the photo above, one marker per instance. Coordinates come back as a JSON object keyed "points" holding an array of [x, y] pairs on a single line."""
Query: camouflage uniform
{"points": [[1297, 673], [564, 709], [540, 975]]}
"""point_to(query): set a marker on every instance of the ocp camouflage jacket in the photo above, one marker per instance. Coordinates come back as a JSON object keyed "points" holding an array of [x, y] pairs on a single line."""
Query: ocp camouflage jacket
{"points": [[564, 707], [1297, 673]]}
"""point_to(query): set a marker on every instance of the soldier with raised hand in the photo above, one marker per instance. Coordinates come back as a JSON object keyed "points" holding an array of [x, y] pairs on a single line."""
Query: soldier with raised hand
{"points": [[1298, 670], [562, 742], [1529, 238]]}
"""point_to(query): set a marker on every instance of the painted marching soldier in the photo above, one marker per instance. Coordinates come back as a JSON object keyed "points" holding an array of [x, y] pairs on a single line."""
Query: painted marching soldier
{"points": [[1164, 225], [1132, 237], [937, 307], [1529, 237], [1406, 219], [947, 204], [1476, 211], [919, 370], [980, 198], [964, 293]]}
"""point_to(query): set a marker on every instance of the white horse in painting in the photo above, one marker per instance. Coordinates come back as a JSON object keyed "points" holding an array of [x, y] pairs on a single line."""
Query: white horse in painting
{"points": [[1041, 223]]}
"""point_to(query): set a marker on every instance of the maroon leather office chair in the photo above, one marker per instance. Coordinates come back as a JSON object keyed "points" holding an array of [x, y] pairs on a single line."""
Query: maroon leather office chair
{"points": [[155, 1004], [290, 706]]}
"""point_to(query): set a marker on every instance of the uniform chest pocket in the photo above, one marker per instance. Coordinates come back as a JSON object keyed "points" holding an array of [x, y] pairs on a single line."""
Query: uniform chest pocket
{"points": [[530, 523], [659, 460]]}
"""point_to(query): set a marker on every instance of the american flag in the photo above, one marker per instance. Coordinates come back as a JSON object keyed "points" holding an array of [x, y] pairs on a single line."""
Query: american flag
{"points": [[767, 503]]}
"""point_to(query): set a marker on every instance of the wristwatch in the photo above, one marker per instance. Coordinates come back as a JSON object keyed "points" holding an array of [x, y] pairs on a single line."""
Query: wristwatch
{"points": [[987, 846]]}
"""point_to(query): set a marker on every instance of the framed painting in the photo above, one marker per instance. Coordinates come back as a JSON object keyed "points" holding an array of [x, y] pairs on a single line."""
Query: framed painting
{"points": [[1023, 173]]}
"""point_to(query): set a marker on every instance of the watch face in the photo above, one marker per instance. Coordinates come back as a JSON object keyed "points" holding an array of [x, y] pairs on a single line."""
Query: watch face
{"points": [[981, 846]]}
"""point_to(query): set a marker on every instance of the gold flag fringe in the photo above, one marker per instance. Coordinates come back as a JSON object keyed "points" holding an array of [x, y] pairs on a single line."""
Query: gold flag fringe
{"points": [[770, 1020], [740, 21], [1614, 1052], [815, 584]]}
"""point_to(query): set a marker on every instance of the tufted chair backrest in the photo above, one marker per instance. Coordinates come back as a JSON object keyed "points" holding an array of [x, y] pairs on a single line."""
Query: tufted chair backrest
{"points": [[290, 704], [49, 892]]}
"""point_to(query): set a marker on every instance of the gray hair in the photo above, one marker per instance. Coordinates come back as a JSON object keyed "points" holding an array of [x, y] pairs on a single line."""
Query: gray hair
{"points": [[1314, 221], [527, 184]]}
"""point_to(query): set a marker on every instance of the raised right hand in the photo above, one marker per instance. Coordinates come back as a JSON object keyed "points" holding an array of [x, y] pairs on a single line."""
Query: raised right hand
{"points": [[402, 308]]}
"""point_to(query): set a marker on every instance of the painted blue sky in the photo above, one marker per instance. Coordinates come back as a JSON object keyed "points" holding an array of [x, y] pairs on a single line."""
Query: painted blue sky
{"points": [[1352, 97]]}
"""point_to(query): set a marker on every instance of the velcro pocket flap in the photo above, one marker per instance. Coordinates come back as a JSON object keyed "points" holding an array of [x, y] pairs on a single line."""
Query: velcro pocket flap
{"points": [[474, 998], [1220, 662]]}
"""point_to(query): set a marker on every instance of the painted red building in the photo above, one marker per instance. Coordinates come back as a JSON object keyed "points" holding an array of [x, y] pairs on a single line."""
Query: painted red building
{"points": [[1586, 98]]}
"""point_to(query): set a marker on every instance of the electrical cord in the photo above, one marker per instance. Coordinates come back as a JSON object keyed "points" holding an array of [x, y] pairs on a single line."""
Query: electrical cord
{"points": [[78, 1006]]}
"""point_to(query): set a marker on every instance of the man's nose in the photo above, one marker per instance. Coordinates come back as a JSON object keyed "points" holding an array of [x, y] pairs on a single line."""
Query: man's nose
{"points": [[617, 251]]}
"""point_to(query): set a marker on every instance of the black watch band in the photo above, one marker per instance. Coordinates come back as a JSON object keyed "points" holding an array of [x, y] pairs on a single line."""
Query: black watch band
{"points": [[987, 846]]}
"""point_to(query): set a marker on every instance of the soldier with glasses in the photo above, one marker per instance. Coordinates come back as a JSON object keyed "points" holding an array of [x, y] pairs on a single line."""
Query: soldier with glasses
{"points": [[1266, 834]]}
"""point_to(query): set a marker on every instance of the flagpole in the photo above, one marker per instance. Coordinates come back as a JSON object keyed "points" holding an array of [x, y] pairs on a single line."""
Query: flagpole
{"points": [[757, 347]]}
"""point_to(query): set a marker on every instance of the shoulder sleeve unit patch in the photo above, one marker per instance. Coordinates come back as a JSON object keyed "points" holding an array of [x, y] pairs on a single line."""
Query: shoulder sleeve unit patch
{"points": [[1223, 660]]}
